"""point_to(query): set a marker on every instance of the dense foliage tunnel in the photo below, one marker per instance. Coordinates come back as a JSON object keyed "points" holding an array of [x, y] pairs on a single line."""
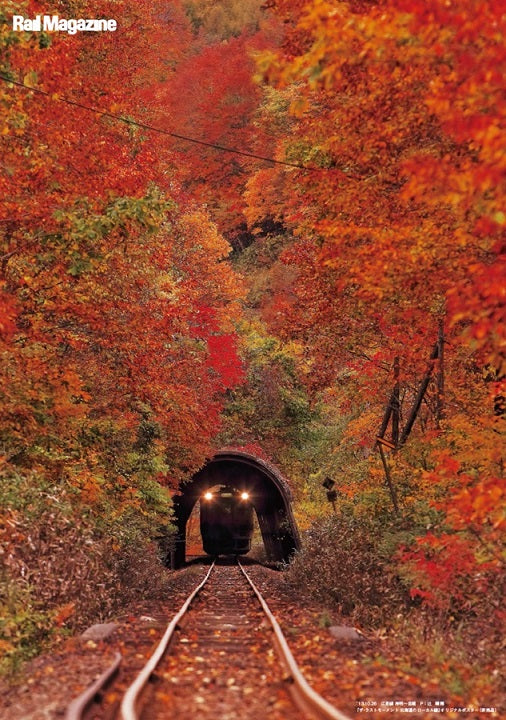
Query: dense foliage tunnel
{"points": [[270, 497]]}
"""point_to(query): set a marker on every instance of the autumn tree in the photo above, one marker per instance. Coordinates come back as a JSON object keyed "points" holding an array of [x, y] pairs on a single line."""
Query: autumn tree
{"points": [[398, 231], [212, 98], [118, 302], [215, 22]]}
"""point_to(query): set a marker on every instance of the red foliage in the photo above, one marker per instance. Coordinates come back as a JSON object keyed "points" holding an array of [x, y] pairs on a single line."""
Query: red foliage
{"points": [[445, 574], [212, 97], [102, 276]]}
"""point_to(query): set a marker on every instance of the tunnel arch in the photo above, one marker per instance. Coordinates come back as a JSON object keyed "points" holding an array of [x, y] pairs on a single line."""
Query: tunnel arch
{"points": [[270, 496]]}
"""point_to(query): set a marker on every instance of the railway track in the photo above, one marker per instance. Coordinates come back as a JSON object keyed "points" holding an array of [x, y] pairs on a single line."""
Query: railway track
{"points": [[223, 655]]}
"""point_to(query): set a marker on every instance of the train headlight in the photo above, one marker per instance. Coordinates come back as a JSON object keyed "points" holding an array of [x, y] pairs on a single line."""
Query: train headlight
{"points": [[245, 496], [208, 495]]}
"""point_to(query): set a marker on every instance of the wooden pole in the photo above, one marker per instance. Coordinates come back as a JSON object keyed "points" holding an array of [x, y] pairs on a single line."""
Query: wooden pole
{"points": [[440, 375], [419, 397], [390, 484], [386, 417], [396, 404]]}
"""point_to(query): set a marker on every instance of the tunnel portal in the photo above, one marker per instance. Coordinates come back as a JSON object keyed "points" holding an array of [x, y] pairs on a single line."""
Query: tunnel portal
{"points": [[270, 496]]}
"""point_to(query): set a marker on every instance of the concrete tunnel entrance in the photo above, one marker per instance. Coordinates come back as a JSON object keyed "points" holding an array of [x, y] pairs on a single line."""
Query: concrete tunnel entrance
{"points": [[270, 496]]}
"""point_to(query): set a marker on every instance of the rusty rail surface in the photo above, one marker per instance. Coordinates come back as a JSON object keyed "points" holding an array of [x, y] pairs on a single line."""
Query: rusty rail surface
{"points": [[303, 695], [80, 705]]}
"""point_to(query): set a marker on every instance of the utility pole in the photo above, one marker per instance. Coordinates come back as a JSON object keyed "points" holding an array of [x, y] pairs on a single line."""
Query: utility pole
{"points": [[396, 403], [440, 374]]}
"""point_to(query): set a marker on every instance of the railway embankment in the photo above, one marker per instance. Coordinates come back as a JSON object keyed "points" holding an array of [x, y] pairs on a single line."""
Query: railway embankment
{"points": [[359, 672]]}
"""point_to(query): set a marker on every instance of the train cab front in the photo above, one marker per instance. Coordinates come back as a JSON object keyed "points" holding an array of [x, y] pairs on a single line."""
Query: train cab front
{"points": [[226, 521]]}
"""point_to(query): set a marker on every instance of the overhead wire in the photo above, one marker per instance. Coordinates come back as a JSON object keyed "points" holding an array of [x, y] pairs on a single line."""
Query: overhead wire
{"points": [[146, 126]]}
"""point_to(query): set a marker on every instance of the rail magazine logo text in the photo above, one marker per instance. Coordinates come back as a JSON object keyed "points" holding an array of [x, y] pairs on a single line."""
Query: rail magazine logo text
{"points": [[54, 23]]}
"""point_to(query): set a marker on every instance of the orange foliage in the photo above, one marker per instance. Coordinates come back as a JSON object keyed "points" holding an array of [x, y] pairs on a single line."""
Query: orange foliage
{"points": [[398, 109], [104, 278]]}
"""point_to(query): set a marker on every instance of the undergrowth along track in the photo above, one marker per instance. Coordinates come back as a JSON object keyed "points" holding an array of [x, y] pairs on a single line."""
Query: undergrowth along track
{"points": [[217, 659]]}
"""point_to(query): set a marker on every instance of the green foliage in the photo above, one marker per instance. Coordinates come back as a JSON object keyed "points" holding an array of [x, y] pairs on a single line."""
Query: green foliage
{"points": [[24, 628], [56, 552], [218, 21], [272, 407]]}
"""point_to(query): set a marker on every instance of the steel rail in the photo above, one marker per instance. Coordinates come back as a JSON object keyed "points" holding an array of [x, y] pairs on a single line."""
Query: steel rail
{"points": [[81, 703], [127, 710], [308, 699]]}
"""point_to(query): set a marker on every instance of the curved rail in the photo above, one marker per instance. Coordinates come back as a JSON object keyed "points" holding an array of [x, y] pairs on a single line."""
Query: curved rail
{"points": [[307, 698], [81, 703], [127, 710]]}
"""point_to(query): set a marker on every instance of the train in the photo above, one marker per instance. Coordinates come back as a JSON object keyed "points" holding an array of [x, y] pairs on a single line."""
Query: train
{"points": [[226, 521]]}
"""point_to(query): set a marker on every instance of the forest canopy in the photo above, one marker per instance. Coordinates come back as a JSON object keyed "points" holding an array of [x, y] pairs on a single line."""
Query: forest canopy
{"points": [[277, 226]]}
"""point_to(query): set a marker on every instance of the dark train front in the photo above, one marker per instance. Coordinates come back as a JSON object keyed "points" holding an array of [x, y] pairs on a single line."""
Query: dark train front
{"points": [[226, 521]]}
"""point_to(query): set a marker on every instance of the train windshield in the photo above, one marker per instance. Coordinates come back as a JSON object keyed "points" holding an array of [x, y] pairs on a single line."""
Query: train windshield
{"points": [[226, 521]]}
